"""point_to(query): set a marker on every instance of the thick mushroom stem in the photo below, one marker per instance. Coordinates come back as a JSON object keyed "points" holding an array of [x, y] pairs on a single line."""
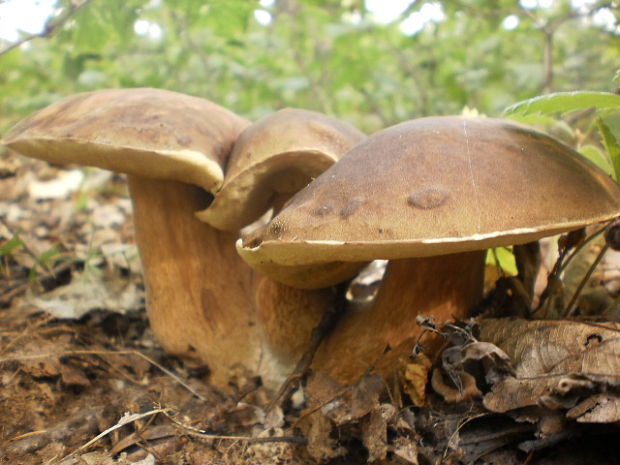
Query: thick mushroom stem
{"points": [[204, 302], [199, 292], [442, 287], [287, 316]]}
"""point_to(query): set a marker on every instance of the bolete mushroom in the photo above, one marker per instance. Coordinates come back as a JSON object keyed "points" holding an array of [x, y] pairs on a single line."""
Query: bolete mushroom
{"points": [[173, 148], [203, 301], [431, 195], [271, 160]]}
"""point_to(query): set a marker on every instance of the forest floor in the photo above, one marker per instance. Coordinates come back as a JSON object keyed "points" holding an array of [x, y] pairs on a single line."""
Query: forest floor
{"points": [[83, 381]]}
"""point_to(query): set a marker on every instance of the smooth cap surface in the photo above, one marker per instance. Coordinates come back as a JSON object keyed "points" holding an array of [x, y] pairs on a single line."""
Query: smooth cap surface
{"points": [[144, 132], [435, 186], [275, 157]]}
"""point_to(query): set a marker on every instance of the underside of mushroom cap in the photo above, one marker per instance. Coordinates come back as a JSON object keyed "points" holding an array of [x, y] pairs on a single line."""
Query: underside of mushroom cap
{"points": [[436, 186], [273, 158], [314, 276], [145, 132]]}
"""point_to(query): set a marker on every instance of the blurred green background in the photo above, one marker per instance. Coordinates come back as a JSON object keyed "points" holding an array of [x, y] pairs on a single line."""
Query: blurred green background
{"points": [[373, 63]]}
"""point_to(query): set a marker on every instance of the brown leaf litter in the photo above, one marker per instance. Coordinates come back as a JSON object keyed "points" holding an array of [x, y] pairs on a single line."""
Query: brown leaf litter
{"points": [[84, 382]]}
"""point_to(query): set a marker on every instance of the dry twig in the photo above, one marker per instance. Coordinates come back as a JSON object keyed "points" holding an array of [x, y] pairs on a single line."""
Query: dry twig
{"points": [[124, 420], [324, 328], [105, 352], [50, 27], [198, 433]]}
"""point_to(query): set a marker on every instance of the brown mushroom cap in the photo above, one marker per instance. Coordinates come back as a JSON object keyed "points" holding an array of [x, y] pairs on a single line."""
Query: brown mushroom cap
{"points": [[160, 138], [278, 155], [436, 186], [145, 132]]}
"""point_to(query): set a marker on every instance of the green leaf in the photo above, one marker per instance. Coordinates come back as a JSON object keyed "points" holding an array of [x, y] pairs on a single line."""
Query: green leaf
{"points": [[44, 261], [503, 257], [546, 123], [612, 121], [610, 134], [599, 158], [46, 257], [91, 32], [534, 119], [9, 246], [564, 102]]}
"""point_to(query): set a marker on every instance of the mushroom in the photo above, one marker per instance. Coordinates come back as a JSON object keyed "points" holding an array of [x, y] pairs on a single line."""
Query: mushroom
{"points": [[273, 159], [203, 301], [173, 147], [431, 195]]}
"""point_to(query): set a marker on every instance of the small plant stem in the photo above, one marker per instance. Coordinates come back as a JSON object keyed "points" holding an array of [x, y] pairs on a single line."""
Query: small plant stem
{"points": [[572, 305]]}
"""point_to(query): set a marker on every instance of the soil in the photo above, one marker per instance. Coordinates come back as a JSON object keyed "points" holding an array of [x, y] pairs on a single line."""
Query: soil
{"points": [[83, 381]]}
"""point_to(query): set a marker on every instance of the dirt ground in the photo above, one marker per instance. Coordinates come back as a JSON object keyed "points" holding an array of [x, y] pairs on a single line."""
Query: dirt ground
{"points": [[83, 381]]}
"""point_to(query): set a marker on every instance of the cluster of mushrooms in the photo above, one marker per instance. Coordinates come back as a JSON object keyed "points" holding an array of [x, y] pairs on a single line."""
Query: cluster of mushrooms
{"points": [[244, 230]]}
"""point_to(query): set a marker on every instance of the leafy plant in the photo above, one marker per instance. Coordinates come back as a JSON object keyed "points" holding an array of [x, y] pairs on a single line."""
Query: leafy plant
{"points": [[44, 261], [15, 246], [503, 258], [331, 56], [602, 109], [7, 249]]}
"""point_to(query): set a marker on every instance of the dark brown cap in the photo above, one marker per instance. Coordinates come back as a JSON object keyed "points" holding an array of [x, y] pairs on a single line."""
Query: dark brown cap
{"points": [[435, 186]]}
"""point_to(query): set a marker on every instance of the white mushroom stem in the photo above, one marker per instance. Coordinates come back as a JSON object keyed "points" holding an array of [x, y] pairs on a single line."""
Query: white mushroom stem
{"points": [[204, 302], [443, 287]]}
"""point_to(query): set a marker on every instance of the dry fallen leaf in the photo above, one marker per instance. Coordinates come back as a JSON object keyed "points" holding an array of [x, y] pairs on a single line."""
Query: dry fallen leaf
{"points": [[321, 445], [104, 289], [406, 450], [375, 431], [61, 187], [558, 364], [600, 408], [465, 390], [415, 378]]}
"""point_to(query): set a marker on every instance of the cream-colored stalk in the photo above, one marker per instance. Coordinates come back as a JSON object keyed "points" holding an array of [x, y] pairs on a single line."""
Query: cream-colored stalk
{"points": [[443, 288]]}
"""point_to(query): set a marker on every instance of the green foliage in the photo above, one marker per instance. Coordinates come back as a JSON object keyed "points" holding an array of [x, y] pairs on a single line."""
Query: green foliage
{"points": [[564, 102], [599, 158], [45, 262], [606, 119], [504, 259], [330, 56], [15, 246], [610, 140], [8, 248]]}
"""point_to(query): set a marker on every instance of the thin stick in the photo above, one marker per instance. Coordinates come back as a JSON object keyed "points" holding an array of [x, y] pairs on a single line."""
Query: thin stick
{"points": [[560, 265], [193, 431], [552, 280], [106, 352], [578, 249], [325, 326], [572, 305], [125, 420], [50, 26]]}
